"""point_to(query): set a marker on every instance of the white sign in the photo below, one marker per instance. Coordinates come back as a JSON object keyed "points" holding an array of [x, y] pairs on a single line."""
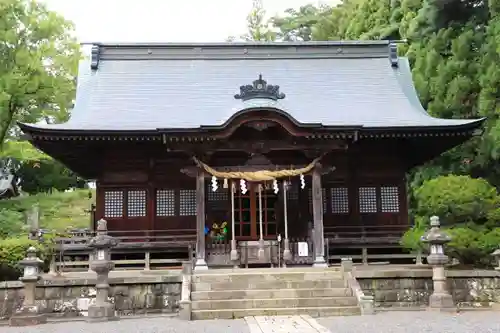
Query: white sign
{"points": [[303, 249], [100, 255]]}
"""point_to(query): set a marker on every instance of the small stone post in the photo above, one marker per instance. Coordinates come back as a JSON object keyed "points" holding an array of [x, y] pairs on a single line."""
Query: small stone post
{"points": [[185, 303], [33, 219], [101, 263], [29, 313], [440, 298], [496, 254]]}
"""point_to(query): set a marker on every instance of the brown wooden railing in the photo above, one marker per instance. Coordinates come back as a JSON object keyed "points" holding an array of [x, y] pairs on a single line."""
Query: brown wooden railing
{"points": [[365, 233], [136, 250], [128, 238]]}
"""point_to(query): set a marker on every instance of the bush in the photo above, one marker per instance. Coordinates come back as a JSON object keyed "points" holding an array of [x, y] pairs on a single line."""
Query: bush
{"points": [[468, 210], [13, 250], [456, 199]]}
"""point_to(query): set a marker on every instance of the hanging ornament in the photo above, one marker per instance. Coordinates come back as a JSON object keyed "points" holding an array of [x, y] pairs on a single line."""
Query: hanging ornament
{"points": [[225, 184], [214, 184], [275, 186], [302, 182], [243, 186]]}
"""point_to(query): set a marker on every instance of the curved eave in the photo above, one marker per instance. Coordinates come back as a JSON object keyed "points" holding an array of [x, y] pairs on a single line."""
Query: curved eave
{"points": [[42, 130], [464, 126], [157, 134]]}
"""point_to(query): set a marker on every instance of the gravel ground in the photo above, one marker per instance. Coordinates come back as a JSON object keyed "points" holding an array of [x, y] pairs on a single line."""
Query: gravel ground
{"points": [[416, 322], [145, 325]]}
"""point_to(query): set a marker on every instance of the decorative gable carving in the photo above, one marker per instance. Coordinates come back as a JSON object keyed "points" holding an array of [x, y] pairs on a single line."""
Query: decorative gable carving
{"points": [[259, 89]]}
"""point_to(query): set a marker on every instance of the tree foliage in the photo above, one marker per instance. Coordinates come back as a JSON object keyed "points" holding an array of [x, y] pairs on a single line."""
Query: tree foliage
{"points": [[454, 50], [38, 62], [259, 28]]}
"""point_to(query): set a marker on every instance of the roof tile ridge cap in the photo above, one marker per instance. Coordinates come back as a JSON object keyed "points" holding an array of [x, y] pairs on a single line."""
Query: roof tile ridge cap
{"points": [[95, 57]]}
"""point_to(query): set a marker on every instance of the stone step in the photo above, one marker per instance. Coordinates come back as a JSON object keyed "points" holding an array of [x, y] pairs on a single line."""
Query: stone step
{"points": [[268, 276], [259, 284], [241, 313], [269, 303], [269, 293]]}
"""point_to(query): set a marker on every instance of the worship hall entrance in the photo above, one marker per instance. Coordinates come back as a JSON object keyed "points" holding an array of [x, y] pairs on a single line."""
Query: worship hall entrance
{"points": [[255, 209]]}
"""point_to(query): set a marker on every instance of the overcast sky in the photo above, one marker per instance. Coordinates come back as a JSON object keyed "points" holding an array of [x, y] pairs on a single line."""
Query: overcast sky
{"points": [[163, 20]]}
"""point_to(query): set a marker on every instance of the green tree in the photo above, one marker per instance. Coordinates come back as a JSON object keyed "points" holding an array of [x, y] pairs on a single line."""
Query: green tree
{"points": [[38, 63], [46, 176], [297, 25], [258, 26]]}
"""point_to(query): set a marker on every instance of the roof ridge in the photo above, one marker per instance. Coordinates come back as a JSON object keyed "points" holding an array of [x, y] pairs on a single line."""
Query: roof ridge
{"points": [[243, 44]]}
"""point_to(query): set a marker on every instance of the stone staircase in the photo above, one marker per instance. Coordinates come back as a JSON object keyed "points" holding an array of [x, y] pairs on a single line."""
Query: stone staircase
{"points": [[227, 294]]}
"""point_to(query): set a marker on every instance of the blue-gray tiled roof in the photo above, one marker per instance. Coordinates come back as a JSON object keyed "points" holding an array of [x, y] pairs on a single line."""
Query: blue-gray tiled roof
{"points": [[146, 87]]}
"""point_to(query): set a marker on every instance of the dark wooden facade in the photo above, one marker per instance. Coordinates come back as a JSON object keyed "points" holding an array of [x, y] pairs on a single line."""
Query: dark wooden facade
{"points": [[139, 191]]}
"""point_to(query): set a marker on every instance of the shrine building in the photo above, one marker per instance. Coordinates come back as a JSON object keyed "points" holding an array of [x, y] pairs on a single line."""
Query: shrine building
{"points": [[252, 144]]}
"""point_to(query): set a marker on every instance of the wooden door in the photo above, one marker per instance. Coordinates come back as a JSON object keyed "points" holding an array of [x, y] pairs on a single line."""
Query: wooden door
{"points": [[248, 212]]}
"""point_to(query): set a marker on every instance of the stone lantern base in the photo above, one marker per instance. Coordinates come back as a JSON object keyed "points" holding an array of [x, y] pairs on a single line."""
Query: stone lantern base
{"points": [[442, 302], [28, 316], [100, 313]]}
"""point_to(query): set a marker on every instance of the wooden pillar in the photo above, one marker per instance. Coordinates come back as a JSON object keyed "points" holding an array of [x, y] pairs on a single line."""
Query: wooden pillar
{"points": [[201, 263], [317, 201]]}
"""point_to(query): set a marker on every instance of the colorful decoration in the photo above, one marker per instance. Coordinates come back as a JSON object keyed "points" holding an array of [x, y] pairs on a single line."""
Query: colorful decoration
{"points": [[214, 184], [219, 232]]}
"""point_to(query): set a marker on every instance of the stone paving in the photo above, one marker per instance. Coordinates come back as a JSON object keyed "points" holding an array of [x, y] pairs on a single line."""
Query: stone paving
{"points": [[388, 322], [284, 324], [416, 322]]}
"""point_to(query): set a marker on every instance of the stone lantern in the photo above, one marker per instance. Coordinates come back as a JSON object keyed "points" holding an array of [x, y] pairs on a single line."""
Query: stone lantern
{"points": [[440, 298], [29, 313], [496, 254], [102, 309]]}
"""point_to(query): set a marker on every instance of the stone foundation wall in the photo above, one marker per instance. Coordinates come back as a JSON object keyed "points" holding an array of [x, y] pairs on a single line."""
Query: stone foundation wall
{"points": [[412, 287], [71, 297]]}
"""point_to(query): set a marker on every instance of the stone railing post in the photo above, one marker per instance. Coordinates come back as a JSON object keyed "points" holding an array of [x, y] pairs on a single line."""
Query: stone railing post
{"points": [[440, 298], [102, 309], [185, 303], [365, 302], [29, 313], [496, 254]]}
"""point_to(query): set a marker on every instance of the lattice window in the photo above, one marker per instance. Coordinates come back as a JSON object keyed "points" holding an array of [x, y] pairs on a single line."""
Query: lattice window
{"points": [[165, 202], [389, 199], [222, 194], [187, 199], [136, 203], [113, 203], [367, 199], [339, 200], [323, 194]]}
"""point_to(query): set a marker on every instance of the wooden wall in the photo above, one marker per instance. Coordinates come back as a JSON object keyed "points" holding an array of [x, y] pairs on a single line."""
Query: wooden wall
{"points": [[139, 192]]}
